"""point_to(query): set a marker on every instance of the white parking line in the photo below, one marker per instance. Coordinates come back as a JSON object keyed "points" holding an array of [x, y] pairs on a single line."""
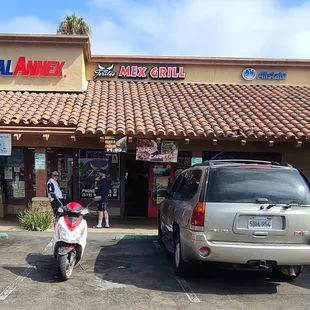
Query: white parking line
{"points": [[182, 282], [187, 290], [10, 288]]}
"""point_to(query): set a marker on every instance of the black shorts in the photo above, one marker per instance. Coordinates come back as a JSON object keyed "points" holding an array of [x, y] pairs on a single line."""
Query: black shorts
{"points": [[102, 206]]}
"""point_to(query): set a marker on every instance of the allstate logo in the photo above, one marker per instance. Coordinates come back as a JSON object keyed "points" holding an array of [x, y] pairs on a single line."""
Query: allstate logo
{"points": [[249, 74]]}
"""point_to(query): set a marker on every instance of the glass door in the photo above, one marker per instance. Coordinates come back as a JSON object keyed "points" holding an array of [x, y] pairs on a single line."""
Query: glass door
{"points": [[160, 178]]}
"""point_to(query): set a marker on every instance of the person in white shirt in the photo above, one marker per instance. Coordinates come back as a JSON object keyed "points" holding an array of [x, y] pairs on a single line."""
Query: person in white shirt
{"points": [[53, 187]]}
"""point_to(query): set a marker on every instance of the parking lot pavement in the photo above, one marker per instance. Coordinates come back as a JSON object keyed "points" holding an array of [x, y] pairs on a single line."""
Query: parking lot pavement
{"points": [[130, 273]]}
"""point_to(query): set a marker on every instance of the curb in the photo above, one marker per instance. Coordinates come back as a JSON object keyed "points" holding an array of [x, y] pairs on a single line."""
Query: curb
{"points": [[3, 236]]}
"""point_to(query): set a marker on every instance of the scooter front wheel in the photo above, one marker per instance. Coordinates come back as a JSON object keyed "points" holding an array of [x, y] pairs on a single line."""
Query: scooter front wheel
{"points": [[65, 264]]}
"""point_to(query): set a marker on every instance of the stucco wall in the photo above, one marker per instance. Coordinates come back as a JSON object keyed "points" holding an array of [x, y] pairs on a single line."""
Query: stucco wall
{"points": [[72, 55]]}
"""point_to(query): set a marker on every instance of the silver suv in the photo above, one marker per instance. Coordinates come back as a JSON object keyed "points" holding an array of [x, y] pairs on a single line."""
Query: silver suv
{"points": [[238, 214]]}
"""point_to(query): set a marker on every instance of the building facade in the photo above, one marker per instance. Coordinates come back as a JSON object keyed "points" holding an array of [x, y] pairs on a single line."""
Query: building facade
{"points": [[143, 119]]}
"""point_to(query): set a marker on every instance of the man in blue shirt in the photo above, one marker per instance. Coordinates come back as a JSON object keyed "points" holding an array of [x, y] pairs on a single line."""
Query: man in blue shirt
{"points": [[102, 189]]}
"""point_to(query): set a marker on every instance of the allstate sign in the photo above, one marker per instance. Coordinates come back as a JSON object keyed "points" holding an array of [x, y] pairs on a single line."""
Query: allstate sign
{"points": [[249, 74]]}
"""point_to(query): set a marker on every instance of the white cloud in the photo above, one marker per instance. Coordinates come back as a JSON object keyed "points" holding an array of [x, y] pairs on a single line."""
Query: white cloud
{"points": [[233, 28]]}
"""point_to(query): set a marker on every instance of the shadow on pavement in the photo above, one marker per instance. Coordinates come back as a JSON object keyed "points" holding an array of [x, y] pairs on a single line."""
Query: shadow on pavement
{"points": [[136, 261], [141, 264], [44, 268]]}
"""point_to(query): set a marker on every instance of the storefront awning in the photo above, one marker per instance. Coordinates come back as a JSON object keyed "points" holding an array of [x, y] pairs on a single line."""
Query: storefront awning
{"points": [[137, 108]]}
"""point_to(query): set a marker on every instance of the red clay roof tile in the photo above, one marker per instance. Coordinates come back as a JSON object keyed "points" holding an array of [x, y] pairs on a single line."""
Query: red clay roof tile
{"points": [[184, 109]]}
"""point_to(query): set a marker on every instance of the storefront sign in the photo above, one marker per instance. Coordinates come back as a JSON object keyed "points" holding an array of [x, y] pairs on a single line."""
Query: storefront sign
{"points": [[42, 68], [104, 70], [151, 150], [249, 74], [141, 72], [5, 144], [39, 161], [196, 160], [162, 72], [115, 144]]}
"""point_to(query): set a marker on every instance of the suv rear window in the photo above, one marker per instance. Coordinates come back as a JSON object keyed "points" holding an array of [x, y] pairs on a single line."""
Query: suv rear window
{"points": [[246, 184]]}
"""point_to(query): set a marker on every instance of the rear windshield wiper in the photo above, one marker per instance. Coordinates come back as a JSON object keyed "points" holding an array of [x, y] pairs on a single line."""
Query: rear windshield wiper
{"points": [[284, 205]]}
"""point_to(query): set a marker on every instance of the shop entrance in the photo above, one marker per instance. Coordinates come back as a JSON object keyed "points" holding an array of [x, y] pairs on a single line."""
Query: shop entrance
{"points": [[136, 188], [61, 160]]}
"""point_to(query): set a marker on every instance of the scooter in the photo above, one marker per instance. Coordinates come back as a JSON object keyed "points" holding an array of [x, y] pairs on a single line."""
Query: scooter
{"points": [[70, 235]]}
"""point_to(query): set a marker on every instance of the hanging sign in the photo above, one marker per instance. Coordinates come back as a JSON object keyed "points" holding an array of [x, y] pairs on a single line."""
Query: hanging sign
{"points": [[39, 161], [5, 144], [115, 144], [153, 151]]}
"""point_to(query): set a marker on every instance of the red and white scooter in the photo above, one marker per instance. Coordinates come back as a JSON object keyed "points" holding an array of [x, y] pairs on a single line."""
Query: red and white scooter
{"points": [[70, 235]]}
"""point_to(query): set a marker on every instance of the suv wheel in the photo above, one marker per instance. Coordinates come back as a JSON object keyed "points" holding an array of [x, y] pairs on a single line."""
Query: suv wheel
{"points": [[181, 268], [159, 232]]}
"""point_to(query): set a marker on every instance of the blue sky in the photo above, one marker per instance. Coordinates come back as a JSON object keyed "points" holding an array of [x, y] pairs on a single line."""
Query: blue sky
{"points": [[229, 28]]}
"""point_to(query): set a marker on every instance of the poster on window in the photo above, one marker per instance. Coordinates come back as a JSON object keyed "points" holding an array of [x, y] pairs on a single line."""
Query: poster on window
{"points": [[162, 152], [115, 144], [90, 163], [5, 144]]}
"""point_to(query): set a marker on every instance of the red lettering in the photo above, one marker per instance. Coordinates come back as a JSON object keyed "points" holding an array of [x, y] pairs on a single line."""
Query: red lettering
{"points": [[59, 67], [154, 73], [31, 67], [141, 72], [134, 70], [124, 71], [169, 72], [182, 74], [162, 72], [38, 67], [174, 73], [21, 66], [41, 68]]}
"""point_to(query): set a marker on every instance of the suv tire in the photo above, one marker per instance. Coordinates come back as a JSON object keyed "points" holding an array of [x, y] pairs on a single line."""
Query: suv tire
{"points": [[159, 232], [181, 268]]}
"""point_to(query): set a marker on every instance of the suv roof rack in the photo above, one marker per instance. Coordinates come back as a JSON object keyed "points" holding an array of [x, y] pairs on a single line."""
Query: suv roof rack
{"points": [[237, 161]]}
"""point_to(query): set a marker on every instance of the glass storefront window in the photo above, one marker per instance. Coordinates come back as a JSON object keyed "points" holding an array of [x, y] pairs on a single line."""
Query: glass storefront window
{"points": [[161, 182], [90, 162], [12, 174]]}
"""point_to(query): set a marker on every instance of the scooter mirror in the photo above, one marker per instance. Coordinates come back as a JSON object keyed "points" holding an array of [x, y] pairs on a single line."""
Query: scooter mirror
{"points": [[97, 198]]}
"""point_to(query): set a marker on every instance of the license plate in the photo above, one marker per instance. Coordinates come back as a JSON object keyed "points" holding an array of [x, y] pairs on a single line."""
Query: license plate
{"points": [[259, 222]]}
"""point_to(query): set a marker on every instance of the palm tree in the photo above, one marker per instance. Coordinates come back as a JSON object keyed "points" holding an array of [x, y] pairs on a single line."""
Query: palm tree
{"points": [[73, 25]]}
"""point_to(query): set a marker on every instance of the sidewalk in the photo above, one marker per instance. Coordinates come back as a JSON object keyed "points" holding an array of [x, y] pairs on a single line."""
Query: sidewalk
{"points": [[133, 226]]}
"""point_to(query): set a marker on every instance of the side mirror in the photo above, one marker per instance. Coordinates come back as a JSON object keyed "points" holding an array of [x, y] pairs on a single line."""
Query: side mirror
{"points": [[97, 199]]}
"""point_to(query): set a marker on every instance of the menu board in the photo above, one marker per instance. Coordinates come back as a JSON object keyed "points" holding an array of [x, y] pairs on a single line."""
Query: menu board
{"points": [[115, 144], [159, 152]]}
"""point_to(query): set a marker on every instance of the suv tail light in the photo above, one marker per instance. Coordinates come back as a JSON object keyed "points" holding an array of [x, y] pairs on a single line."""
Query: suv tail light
{"points": [[198, 215]]}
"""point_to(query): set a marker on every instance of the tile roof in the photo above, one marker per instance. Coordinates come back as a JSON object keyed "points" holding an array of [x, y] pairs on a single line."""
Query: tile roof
{"points": [[152, 108]]}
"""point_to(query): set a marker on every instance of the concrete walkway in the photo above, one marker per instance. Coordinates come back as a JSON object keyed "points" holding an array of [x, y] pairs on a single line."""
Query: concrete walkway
{"points": [[133, 226]]}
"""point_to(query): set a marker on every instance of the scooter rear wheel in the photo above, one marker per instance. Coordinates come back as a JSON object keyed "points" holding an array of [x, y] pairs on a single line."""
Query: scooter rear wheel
{"points": [[65, 264]]}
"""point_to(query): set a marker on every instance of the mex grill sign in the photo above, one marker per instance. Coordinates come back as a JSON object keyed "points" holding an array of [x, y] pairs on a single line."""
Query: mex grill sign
{"points": [[140, 72]]}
